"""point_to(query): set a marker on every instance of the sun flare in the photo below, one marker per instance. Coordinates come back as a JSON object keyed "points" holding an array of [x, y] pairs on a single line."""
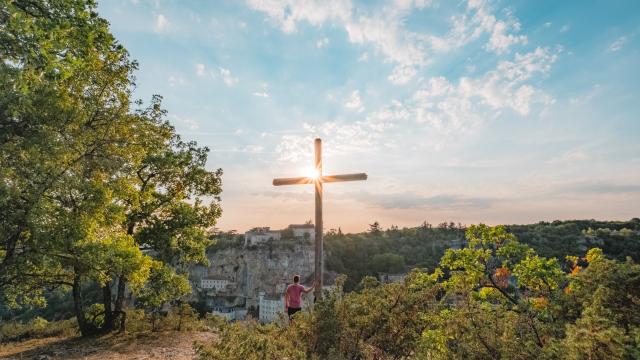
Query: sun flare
{"points": [[311, 172]]}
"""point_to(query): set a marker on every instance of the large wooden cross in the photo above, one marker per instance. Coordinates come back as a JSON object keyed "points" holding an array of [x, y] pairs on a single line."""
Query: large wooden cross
{"points": [[318, 179]]}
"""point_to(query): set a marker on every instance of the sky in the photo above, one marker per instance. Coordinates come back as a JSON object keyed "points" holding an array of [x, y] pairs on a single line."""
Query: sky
{"points": [[473, 111]]}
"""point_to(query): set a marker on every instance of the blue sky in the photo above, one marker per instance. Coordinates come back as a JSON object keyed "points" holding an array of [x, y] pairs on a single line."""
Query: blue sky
{"points": [[465, 111]]}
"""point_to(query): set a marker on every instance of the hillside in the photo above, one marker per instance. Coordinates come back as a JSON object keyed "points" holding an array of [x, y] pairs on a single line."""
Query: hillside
{"points": [[162, 345], [399, 249]]}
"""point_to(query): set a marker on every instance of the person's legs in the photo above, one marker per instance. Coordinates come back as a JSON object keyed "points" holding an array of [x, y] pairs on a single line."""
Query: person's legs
{"points": [[291, 311]]}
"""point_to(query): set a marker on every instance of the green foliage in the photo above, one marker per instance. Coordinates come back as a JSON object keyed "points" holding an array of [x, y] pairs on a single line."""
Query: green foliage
{"points": [[162, 286], [388, 263], [423, 246], [182, 318], [87, 181], [494, 298], [252, 341], [618, 239], [138, 321], [36, 328], [387, 251], [225, 240]]}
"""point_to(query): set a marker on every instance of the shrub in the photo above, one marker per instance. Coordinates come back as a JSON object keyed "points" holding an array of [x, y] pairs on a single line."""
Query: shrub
{"points": [[181, 318], [252, 341], [37, 328]]}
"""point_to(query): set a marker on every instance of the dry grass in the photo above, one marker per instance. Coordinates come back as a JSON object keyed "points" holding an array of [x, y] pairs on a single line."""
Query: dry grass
{"points": [[149, 345]]}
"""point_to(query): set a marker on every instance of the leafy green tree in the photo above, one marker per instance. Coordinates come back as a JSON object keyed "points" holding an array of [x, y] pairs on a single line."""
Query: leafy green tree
{"points": [[163, 286], [375, 228], [86, 183], [607, 293], [500, 290], [388, 263]]}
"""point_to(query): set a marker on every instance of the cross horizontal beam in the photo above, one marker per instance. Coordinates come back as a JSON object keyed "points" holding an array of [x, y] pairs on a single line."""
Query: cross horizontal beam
{"points": [[322, 179], [344, 177]]}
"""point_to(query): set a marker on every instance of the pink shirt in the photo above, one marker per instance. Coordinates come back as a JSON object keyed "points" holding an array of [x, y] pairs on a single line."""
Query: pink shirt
{"points": [[294, 291]]}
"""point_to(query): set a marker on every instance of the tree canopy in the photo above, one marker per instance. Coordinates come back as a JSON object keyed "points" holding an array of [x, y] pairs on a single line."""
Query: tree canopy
{"points": [[94, 187]]}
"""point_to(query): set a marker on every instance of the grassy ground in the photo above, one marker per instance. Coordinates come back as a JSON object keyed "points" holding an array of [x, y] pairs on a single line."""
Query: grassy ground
{"points": [[149, 345]]}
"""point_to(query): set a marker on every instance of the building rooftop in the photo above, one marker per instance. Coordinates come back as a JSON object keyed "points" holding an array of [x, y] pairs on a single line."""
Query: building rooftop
{"points": [[301, 226], [262, 230]]}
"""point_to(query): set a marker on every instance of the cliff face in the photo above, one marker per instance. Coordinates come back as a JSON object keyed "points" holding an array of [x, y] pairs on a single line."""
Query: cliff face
{"points": [[266, 267]]}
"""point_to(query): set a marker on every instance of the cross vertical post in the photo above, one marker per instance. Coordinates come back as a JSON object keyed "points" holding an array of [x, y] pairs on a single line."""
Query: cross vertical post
{"points": [[318, 180], [318, 238]]}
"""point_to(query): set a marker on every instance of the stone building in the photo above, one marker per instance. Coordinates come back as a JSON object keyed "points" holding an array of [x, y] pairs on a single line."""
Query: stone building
{"points": [[259, 235], [271, 306], [229, 313], [305, 231], [214, 282]]}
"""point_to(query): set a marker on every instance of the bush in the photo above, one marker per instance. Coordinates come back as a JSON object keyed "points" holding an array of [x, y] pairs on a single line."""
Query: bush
{"points": [[181, 318], [252, 341], [37, 328], [138, 321]]}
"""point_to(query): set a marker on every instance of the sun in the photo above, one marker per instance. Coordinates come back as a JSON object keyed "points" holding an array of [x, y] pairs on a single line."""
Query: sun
{"points": [[311, 172]]}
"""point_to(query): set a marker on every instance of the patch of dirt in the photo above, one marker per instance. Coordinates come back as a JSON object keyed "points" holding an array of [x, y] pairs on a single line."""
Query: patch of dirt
{"points": [[152, 345]]}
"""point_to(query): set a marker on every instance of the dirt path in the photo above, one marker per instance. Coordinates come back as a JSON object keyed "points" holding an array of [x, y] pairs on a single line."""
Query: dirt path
{"points": [[158, 345]]}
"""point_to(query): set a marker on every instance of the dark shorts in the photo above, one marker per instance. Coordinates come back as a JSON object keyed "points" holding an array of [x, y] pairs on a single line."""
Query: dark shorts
{"points": [[291, 311]]}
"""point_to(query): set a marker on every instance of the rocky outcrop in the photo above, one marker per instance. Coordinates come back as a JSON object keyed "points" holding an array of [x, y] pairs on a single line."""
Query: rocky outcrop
{"points": [[267, 267]]}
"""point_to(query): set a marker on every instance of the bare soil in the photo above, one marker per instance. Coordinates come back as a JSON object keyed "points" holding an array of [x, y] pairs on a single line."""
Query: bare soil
{"points": [[151, 345]]}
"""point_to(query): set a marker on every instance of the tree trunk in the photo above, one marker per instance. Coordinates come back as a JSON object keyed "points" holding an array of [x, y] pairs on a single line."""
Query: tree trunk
{"points": [[108, 311], [85, 328], [123, 321], [117, 311], [179, 328], [122, 283]]}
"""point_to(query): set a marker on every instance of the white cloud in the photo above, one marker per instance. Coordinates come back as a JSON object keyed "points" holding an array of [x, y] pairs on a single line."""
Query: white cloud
{"points": [[253, 149], [585, 98], [286, 13], [402, 74], [565, 28], [452, 108], [441, 111], [384, 28], [354, 102], [570, 157], [261, 94], [176, 80], [227, 77], [617, 44], [476, 21], [200, 70], [322, 42], [161, 24], [505, 87], [501, 41], [343, 138], [364, 57], [189, 123], [547, 24]]}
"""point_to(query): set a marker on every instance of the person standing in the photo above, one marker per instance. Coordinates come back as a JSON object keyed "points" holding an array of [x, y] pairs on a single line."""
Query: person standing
{"points": [[293, 296]]}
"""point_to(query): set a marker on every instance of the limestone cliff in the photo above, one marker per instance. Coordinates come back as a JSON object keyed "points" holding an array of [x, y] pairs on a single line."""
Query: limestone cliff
{"points": [[266, 267]]}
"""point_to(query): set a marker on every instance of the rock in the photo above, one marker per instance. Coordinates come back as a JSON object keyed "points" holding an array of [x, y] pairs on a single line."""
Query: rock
{"points": [[266, 267]]}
